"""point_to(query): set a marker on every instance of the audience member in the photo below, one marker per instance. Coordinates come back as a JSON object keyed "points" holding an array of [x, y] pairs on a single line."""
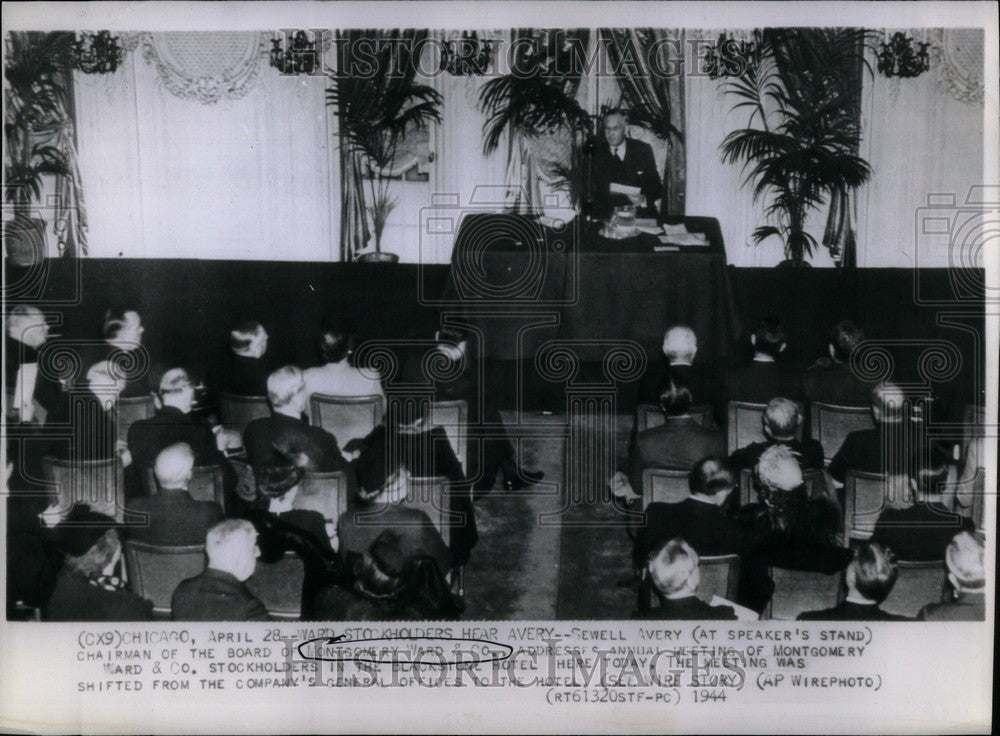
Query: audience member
{"points": [[220, 593], [382, 506], [392, 584], [33, 390], [781, 420], [831, 379], [92, 419], [964, 558], [673, 571], [885, 449], [269, 439], [91, 586], [122, 334], [765, 376], [173, 516], [677, 443], [680, 347], [700, 518], [869, 577], [914, 524], [337, 376], [245, 371]]}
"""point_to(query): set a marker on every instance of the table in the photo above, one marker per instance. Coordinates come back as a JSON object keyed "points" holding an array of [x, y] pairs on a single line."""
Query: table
{"points": [[522, 284]]}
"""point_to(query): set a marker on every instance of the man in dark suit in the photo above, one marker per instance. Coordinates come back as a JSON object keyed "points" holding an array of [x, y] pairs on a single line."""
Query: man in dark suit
{"points": [[781, 422], [246, 368], [27, 333], [678, 443], [765, 376], [622, 160], [220, 592], [869, 578], [174, 518], [272, 440], [673, 570], [680, 347], [967, 580], [830, 379], [888, 448], [122, 332], [699, 519]]}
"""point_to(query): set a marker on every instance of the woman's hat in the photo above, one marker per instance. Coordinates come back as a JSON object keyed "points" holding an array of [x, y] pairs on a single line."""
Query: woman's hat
{"points": [[274, 481]]}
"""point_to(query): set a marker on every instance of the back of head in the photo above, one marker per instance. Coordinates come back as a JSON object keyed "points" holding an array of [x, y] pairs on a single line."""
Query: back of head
{"points": [[284, 386], [680, 344], [673, 568], [965, 558], [778, 469], [675, 396], [274, 480], [782, 419], [231, 547], [115, 320], [769, 337], [378, 574], [874, 571], [243, 336], [930, 477], [335, 341], [889, 403], [89, 540], [174, 466], [709, 476], [845, 336]]}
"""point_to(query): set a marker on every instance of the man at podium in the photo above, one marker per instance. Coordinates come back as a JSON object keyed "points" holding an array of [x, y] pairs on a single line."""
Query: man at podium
{"points": [[628, 163]]}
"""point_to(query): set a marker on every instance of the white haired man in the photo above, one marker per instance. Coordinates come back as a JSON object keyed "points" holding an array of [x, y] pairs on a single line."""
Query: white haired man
{"points": [[781, 420], [965, 560], [885, 449], [673, 572]]}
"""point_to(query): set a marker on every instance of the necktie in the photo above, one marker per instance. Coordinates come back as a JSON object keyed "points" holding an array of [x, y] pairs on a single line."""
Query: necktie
{"points": [[618, 153]]}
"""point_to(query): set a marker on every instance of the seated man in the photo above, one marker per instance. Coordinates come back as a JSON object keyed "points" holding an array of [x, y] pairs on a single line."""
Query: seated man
{"points": [[626, 161], [677, 443], [781, 421], [173, 423], [174, 518], [122, 332], [765, 376], [914, 525], [699, 518], [337, 377], [967, 580], [886, 448], [869, 578], [831, 380], [680, 346], [245, 371], [269, 439], [90, 586], [673, 570], [220, 593]]}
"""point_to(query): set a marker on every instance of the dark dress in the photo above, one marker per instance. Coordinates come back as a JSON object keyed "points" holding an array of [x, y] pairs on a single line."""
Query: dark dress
{"points": [[848, 611], [417, 534], [690, 608], [215, 595], [77, 599]]}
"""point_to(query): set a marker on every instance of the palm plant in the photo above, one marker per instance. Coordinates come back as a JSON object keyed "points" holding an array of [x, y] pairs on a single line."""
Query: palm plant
{"points": [[805, 148], [376, 113], [36, 100]]}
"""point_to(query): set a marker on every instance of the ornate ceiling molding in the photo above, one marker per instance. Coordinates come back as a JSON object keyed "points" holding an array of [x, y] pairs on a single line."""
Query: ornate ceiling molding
{"points": [[958, 55]]}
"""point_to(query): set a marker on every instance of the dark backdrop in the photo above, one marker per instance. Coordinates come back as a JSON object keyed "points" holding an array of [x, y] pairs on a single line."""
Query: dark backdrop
{"points": [[188, 307]]}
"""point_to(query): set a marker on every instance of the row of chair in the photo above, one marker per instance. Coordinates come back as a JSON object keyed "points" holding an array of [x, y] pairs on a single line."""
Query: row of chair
{"points": [[798, 591]]}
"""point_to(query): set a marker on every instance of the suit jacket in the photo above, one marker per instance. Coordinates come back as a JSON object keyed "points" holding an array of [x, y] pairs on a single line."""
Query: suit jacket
{"points": [[243, 376], [48, 391], [679, 443], [848, 611], [835, 383], [968, 607], [691, 608], [921, 532], [417, 534], [148, 437], [174, 518], [701, 381], [702, 525], [215, 596], [761, 381], [863, 450], [76, 599], [809, 453], [637, 169], [262, 435]]}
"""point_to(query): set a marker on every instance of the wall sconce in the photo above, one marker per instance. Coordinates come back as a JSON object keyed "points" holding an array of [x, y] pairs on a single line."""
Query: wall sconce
{"points": [[902, 56], [731, 57], [96, 53], [295, 54], [466, 55]]}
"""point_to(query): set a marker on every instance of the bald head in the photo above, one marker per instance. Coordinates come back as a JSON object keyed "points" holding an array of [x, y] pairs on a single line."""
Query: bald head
{"points": [[680, 345], [888, 402], [174, 467], [27, 324]]}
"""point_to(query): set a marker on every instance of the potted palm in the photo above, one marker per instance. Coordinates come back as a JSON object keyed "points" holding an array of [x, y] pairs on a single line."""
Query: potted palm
{"points": [[36, 99], [376, 113], [803, 148]]}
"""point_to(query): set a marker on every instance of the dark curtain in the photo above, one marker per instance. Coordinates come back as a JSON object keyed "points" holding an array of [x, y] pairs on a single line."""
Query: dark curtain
{"points": [[824, 65], [394, 51], [654, 99]]}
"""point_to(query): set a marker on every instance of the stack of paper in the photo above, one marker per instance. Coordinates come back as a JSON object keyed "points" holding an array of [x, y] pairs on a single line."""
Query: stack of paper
{"points": [[647, 225], [687, 239]]}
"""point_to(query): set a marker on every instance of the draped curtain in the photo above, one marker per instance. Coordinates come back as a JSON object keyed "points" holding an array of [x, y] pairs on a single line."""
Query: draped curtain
{"points": [[394, 50], [657, 98]]}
